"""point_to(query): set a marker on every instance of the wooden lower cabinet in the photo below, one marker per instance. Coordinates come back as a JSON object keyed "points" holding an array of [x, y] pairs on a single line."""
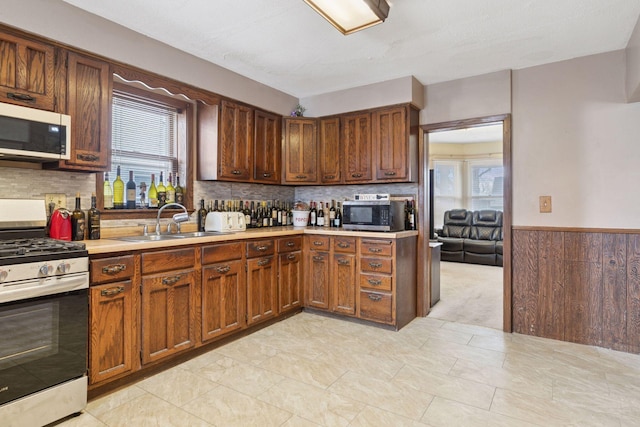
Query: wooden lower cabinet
{"points": [[289, 273], [222, 299], [262, 289], [343, 284], [168, 312], [112, 322]]}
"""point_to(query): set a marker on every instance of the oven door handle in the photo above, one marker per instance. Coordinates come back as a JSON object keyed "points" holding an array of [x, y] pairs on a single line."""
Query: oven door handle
{"points": [[53, 285]]}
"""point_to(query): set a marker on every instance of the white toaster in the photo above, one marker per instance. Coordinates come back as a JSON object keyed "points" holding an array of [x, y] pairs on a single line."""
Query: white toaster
{"points": [[225, 221]]}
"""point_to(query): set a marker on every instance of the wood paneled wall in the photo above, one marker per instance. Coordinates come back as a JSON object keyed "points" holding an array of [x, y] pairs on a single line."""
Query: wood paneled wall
{"points": [[578, 286]]}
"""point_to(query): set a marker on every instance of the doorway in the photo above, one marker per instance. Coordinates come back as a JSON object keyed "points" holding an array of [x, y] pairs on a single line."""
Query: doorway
{"points": [[472, 162]]}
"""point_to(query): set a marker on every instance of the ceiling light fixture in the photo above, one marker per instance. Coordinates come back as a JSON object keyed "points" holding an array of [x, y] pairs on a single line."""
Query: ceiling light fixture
{"points": [[349, 16]]}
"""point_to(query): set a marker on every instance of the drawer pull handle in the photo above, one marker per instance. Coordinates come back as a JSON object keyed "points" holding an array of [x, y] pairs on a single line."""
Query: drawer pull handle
{"points": [[266, 175], [290, 244], [114, 269], [329, 177], [264, 262], [343, 245], [343, 261], [21, 97], [375, 265], [374, 297], [112, 291], [356, 175], [291, 257], [224, 269], [168, 281], [318, 258], [318, 243], [374, 282], [390, 173], [262, 248], [87, 157], [301, 176], [236, 172], [375, 250]]}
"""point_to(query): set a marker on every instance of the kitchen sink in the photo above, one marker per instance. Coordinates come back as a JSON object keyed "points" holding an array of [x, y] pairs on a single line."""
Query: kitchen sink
{"points": [[203, 233], [161, 237]]}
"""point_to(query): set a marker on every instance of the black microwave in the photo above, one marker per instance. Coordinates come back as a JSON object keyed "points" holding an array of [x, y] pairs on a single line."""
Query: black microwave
{"points": [[373, 215], [31, 134]]}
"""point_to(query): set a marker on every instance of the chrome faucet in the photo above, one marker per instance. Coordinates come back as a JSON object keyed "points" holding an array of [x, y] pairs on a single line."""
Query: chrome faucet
{"points": [[177, 218]]}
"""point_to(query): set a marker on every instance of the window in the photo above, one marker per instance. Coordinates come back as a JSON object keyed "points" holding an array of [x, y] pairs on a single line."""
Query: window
{"points": [[447, 187], [486, 184], [148, 136]]}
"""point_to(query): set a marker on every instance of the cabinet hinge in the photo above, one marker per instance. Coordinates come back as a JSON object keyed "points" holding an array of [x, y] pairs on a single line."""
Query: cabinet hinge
{"points": [[140, 288], [140, 356]]}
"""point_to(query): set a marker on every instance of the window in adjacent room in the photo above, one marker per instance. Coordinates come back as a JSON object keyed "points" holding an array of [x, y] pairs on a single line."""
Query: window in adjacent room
{"points": [[486, 178]]}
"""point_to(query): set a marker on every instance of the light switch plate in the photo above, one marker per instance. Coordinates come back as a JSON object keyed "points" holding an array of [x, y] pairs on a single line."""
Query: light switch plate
{"points": [[59, 199], [545, 204]]}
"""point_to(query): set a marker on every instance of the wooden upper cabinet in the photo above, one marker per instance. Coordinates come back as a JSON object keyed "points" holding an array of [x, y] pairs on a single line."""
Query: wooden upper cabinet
{"points": [[300, 153], [266, 151], [89, 86], [356, 145], [390, 143], [329, 148], [235, 150], [27, 72]]}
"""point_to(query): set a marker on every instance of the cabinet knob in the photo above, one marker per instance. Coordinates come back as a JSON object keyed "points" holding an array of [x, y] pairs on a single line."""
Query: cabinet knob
{"points": [[343, 245], [356, 175], [318, 258], [291, 257], [343, 261], [390, 173], [266, 175], [261, 248], [114, 269], [290, 244], [236, 172], [317, 243]]}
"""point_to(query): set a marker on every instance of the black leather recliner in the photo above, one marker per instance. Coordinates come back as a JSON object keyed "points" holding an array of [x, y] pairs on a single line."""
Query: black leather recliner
{"points": [[473, 237]]}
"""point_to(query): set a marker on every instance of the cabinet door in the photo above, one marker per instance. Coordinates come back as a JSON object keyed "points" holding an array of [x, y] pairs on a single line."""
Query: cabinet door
{"points": [[357, 147], [329, 148], [112, 325], [89, 99], [261, 289], [344, 284], [267, 141], [223, 299], [300, 151], [318, 280], [27, 72], [390, 142], [290, 277], [235, 151], [168, 314]]}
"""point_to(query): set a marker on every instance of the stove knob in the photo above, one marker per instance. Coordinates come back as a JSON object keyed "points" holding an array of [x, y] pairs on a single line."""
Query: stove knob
{"points": [[64, 267], [3, 275], [45, 270]]}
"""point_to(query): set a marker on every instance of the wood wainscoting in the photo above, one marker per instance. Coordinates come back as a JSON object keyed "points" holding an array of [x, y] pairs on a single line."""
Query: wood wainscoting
{"points": [[578, 285]]}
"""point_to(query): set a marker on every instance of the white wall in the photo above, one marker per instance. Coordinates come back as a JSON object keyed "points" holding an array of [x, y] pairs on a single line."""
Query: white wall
{"points": [[67, 24], [575, 138], [633, 65]]}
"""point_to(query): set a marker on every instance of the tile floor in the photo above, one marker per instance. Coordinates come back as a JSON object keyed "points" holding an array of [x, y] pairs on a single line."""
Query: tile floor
{"points": [[311, 370]]}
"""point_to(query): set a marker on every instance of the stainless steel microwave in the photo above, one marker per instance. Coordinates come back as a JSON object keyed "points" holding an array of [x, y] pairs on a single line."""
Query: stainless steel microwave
{"points": [[31, 134], [373, 215]]}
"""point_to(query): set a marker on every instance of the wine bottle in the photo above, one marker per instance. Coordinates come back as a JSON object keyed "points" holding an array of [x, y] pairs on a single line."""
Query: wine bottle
{"points": [[320, 217], [131, 192], [266, 215], [247, 215], [118, 191], [313, 215], [171, 190], [202, 216], [93, 220], [332, 214], [162, 192], [77, 221], [259, 216], [254, 217], [326, 214], [338, 220], [153, 193], [412, 216], [179, 191], [107, 192]]}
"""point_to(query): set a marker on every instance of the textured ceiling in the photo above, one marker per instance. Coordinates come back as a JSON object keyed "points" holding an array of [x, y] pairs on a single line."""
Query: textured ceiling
{"points": [[286, 45]]}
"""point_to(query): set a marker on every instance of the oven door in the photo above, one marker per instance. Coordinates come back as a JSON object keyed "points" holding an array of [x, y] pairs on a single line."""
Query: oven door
{"points": [[43, 340]]}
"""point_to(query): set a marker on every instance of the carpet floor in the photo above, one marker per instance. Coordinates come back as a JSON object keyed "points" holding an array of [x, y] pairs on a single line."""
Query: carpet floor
{"points": [[471, 294]]}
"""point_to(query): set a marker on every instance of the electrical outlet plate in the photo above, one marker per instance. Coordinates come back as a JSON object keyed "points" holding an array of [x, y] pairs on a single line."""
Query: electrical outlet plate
{"points": [[545, 204], [59, 199]]}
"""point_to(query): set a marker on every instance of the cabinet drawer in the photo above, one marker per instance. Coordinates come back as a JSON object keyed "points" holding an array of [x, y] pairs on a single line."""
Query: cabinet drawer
{"points": [[318, 243], [376, 247], [260, 248], [111, 269], [381, 283], [222, 252], [376, 306], [376, 265], [344, 244], [177, 259], [290, 244]]}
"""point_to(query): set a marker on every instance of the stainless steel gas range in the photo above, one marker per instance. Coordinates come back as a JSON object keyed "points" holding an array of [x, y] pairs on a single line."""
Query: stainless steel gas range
{"points": [[43, 319]]}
